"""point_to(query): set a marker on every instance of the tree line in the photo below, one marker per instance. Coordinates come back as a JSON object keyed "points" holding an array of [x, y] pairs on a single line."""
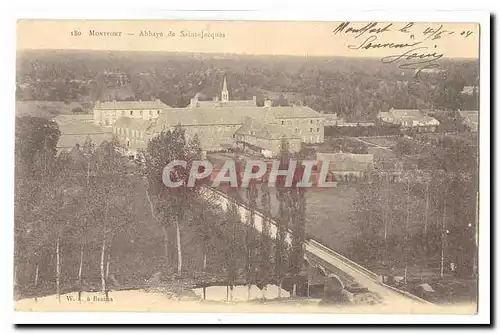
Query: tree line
{"points": [[265, 260]]}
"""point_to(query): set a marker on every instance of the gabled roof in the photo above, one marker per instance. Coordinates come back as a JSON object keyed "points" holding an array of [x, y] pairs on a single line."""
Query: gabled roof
{"points": [[407, 113], [474, 118], [230, 103], [383, 114], [295, 112], [133, 123], [466, 113], [228, 115], [208, 116], [130, 105]]}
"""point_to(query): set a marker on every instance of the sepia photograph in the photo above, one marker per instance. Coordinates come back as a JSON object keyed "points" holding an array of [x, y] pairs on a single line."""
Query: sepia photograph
{"points": [[247, 166]]}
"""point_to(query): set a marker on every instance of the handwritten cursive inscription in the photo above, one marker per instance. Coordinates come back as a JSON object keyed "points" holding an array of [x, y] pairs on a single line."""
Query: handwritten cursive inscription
{"points": [[368, 44], [412, 41], [370, 28], [415, 59]]}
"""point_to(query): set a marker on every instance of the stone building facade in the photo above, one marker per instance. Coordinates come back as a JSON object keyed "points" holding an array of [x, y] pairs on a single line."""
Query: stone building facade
{"points": [[107, 113], [219, 123]]}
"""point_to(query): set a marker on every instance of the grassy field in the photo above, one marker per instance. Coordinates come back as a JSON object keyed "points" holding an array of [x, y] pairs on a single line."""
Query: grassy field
{"points": [[384, 142], [49, 109], [327, 214]]}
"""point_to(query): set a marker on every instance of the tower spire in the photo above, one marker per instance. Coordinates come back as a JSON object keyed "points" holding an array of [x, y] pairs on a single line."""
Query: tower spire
{"points": [[225, 92]]}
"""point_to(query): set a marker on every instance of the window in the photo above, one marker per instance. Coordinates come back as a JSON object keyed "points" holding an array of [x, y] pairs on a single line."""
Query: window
{"points": [[317, 121], [282, 122], [317, 129], [310, 129], [141, 112], [311, 121], [123, 113], [131, 112], [158, 112], [297, 130]]}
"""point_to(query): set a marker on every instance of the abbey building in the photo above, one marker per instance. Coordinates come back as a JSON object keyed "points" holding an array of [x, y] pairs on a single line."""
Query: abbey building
{"points": [[220, 124]]}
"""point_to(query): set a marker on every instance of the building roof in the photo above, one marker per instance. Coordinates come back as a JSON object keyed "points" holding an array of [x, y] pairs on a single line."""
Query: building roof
{"points": [[130, 105], [230, 103], [253, 127], [467, 113], [407, 113], [295, 112], [473, 118], [228, 115], [73, 124], [411, 115], [469, 89], [75, 129], [133, 123]]}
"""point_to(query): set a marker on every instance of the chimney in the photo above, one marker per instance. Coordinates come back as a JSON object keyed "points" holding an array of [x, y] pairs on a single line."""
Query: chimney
{"points": [[268, 103]]}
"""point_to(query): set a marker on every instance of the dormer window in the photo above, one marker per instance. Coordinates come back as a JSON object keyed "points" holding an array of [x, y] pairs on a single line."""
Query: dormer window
{"points": [[131, 112]]}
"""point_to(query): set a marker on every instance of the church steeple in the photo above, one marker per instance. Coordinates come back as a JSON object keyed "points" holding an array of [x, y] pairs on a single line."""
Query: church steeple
{"points": [[225, 92]]}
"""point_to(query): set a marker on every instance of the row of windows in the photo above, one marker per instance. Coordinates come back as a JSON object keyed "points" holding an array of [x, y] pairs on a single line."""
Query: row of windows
{"points": [[289, 123], [128, 132], [141, 112], [297, 130], [312, 139]]}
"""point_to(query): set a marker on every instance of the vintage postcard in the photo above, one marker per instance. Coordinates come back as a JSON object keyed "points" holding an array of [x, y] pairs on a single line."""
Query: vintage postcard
{"points": [[247, 166]]}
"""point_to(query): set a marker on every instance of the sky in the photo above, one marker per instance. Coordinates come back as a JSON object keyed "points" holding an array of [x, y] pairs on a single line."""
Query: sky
{"points": [[451, 40]]}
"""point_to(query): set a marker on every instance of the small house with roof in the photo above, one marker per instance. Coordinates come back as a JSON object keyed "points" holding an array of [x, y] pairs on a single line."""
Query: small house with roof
{"points": [[470, 119], [409, 119]]}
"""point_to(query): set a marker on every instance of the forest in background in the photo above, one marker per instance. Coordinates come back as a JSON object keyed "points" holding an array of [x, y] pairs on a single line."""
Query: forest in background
{"points": [[355, 89]]}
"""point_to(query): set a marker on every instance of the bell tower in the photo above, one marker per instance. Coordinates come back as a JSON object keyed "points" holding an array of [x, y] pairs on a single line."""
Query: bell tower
{"points": [[224, 92]]}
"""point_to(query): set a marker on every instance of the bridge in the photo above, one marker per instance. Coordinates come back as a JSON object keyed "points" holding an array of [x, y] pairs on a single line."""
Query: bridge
{"points": [[316, 253]]}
